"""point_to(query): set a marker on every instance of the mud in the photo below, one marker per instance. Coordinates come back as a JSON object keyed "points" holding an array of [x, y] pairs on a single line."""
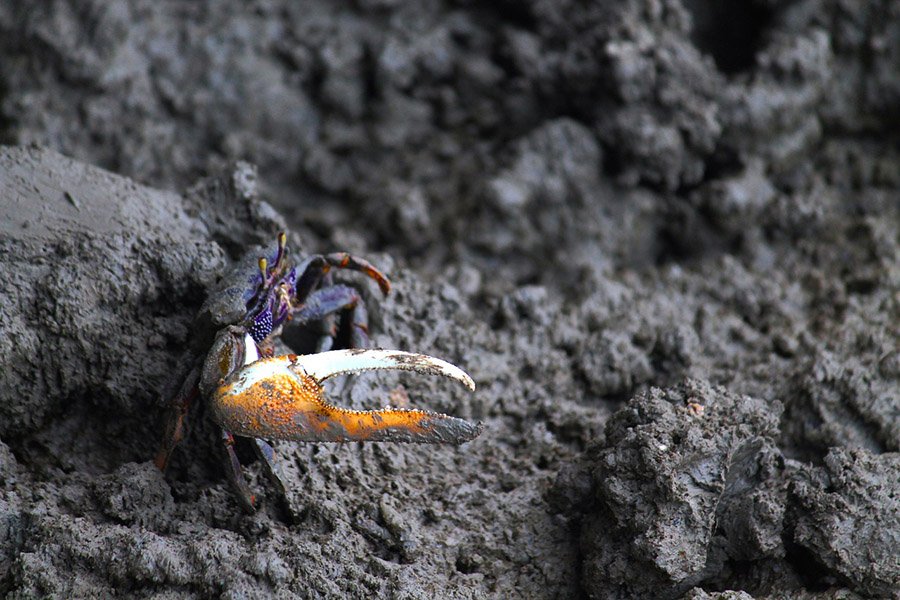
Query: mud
{"points": [[663, 238]]}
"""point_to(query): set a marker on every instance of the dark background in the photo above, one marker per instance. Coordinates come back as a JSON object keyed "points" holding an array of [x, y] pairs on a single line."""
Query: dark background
{"points": [[662, 235]]}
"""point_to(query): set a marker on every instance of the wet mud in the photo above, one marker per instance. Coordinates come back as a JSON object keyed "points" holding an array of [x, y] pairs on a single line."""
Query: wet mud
{"points": [[662, 237]]}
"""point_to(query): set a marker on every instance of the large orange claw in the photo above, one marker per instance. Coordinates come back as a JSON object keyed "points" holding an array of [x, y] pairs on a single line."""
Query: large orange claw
{"points": [[282, 398]]}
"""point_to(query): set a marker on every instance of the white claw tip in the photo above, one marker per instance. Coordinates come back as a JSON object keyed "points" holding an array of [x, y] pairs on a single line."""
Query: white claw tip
{"points": [[323, 365]]}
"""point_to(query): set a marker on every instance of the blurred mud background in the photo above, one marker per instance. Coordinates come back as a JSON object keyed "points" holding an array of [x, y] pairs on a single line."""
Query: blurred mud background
{"points": [[662, 235]]}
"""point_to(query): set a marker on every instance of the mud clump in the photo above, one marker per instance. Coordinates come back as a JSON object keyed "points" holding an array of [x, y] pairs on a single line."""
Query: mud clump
{"points": [[685, 480], [847, 518]]}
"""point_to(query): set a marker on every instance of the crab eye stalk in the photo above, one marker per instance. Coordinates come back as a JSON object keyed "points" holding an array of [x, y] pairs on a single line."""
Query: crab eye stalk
{"points": [[263, 269], [282, 248], [278, 264]]}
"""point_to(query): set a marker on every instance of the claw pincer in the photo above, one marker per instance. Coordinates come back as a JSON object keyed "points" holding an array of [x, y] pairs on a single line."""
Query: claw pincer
{"points": [[283, 398]]}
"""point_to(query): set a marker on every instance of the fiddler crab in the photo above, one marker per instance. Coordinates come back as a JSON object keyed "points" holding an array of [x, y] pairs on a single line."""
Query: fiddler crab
{"points": [[255, 391]]}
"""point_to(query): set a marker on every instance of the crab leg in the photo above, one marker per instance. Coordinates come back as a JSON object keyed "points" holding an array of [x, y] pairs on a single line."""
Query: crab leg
{"points": [[282, 398], [174, 431], [343, 260], [313, 269], [333, 299], [245, 495]]}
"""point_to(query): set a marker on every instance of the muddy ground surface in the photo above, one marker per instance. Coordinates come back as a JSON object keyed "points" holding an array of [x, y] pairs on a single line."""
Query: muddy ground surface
{"points": [[662, 236]]}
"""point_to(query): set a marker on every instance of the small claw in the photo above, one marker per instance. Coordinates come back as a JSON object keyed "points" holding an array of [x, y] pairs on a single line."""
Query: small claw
{"points": [[232, 349], [282, 398]]}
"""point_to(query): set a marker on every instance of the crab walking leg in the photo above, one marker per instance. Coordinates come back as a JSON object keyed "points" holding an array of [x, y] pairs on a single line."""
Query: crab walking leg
{"points": [[282, 398], [329, 323], [245, 495], [359, 326], [327, 334], [174, 429], [271, 464], [343, 260], [315, 268], [334, 299]]}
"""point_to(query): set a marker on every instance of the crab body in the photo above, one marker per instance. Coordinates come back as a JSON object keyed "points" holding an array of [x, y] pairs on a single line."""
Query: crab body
{"points": [[254, 393]]}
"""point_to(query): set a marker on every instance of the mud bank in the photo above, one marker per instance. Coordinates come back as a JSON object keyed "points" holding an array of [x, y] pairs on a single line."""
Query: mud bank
{"points": [[679, 487], [669, 260]]}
